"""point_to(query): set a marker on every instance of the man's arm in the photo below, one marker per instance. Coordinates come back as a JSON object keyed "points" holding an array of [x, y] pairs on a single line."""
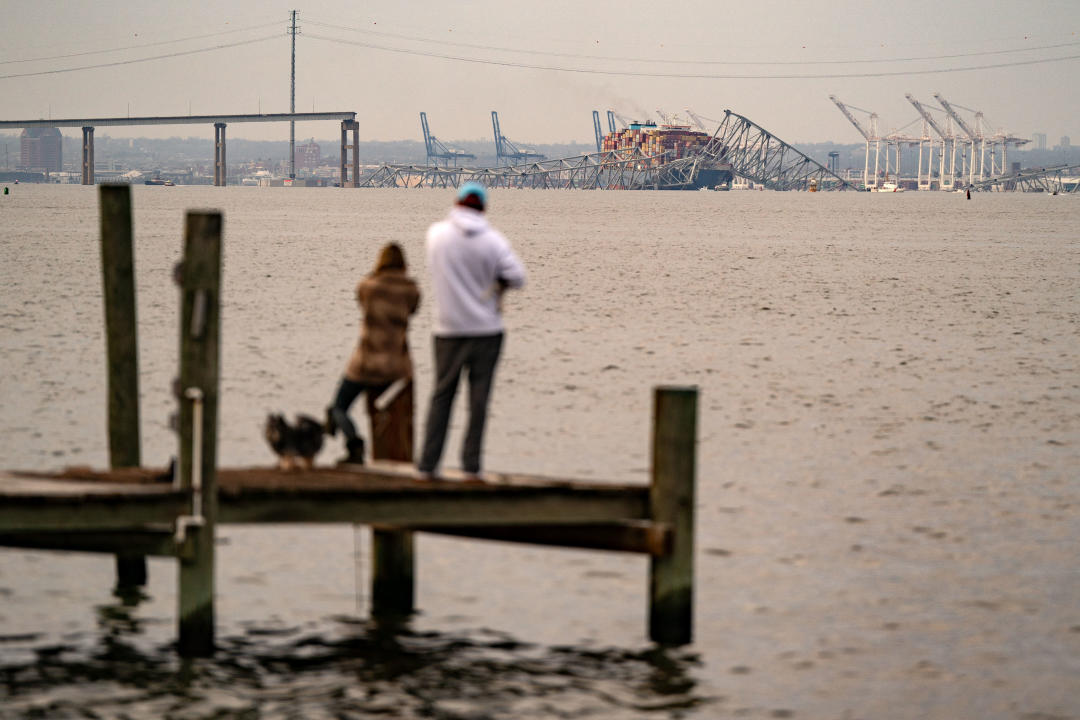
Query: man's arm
{"points": [[509, 271]]}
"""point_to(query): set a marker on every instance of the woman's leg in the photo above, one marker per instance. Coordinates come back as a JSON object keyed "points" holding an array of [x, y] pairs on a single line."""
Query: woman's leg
{"points": [[347, 393]]}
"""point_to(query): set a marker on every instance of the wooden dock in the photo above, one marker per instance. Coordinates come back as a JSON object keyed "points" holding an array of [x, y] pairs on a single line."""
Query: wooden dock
{"points": [[134, 512], [81, 500]]}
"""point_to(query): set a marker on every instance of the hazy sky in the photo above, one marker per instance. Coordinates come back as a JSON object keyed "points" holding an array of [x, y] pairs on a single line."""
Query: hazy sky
{"points": [[539, 63]]}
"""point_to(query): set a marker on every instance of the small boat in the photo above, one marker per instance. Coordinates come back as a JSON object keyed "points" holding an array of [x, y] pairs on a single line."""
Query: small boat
{"points": [[887, 187]]}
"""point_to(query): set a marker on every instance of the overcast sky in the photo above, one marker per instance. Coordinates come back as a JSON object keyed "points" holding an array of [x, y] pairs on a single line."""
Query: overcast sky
{"points": [[543, 65]]}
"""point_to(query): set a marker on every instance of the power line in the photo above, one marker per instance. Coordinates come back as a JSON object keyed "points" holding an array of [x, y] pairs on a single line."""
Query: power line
{"points": [[134, 47], [140, 60], [689, 62], [693, 76]]}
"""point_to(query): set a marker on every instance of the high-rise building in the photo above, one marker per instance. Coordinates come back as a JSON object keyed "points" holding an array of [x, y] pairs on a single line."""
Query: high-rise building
{"points": [[1040, 140], [1066, 142], [309, 155], [41, 149]]}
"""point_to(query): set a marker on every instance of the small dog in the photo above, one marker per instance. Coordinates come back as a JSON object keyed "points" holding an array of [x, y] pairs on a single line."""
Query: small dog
{"points": [[295, 445]]}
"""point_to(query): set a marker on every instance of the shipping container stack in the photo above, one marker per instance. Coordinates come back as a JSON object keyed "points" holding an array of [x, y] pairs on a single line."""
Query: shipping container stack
{"points": [[653, 140]]}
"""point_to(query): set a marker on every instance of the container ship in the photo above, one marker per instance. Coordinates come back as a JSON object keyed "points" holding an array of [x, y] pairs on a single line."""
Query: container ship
{"points": [[665, 143]]}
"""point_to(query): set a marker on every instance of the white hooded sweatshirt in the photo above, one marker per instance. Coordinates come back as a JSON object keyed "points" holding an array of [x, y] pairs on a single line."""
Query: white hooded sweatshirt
{"points": [[466, 257]]}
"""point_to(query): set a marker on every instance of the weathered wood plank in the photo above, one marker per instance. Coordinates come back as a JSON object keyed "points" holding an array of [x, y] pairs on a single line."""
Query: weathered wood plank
{"points": [[635, 537], [122, 349], [393, 550], [21, 512], [141, 542], [671, 576], [61, 486], [376, 476], [200, 352], [556, 506], [378, 495]]}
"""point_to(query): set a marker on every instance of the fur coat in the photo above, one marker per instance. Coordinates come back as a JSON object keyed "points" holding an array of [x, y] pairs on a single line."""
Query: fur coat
{"points": [[387, 298]]}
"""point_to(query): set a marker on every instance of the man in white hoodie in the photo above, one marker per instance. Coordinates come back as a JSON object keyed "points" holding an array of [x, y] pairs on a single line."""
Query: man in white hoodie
{"points": [[471, 264]]}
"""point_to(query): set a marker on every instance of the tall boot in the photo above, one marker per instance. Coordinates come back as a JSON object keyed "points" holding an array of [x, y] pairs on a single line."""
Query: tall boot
{"points": [[355, 449]]}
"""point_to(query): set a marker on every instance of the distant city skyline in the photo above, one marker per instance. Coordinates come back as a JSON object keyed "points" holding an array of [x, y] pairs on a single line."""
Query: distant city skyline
{"points": [[544, 67]]}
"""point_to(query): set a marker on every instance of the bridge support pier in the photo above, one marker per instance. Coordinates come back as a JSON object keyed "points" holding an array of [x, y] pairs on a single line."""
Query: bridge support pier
{"points": [[88, 156], [343, 170], [219, 155]]}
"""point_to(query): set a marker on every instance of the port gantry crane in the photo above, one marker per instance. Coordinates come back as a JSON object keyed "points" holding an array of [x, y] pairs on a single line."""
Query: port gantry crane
{"points": [[978, 135], [946, 180], [697, 120], [505, 150], [999, 138], [611, 121], [597, 130], [625, 123], [870, 136], [436, 151], [667, 119], [969, 162]]}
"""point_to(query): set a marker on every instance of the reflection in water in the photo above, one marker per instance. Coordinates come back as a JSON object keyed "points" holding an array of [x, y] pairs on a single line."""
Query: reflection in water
{"points": [[348, 669]]}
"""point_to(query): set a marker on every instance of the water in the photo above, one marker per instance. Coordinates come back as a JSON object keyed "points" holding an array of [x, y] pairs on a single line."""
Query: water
{"points": [[888, 444]]}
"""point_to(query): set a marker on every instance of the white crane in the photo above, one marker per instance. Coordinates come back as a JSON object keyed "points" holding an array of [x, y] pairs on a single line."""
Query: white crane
{"points": [[972, 136], [699, 120], [946, 180], [871, 136]]}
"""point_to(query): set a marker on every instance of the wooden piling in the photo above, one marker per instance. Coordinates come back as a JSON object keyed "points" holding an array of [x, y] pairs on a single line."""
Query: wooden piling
{"points": [[122, 350], [200, 282], [393, 559], [671, 576]]}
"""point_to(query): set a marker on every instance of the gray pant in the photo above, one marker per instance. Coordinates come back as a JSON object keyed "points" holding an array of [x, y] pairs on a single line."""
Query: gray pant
{"points": [[453, 355]]}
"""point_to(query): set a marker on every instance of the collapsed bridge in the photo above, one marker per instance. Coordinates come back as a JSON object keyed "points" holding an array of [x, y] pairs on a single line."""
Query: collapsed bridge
{"points": [[738, 148]]}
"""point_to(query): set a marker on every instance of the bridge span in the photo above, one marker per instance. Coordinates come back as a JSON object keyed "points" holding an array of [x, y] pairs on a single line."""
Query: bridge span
{"points": [[348, 122], [739, 147]]}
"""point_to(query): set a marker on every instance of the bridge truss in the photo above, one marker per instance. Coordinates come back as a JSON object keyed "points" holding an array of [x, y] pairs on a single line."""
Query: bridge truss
{"points": [[610, 170], [756, 154], [1057, 179], [739, 147]]}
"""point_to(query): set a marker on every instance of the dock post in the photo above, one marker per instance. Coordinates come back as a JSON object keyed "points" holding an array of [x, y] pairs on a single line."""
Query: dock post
{"points": [[393, 561], [200, 352], [671, 501], [122, 349]]}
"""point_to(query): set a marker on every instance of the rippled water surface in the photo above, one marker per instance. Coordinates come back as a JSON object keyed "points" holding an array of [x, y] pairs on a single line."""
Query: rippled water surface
{"points": [[889, 431]]}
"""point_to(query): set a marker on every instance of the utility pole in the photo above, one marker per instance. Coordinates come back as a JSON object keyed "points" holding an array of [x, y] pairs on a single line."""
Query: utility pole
{"points": [[292, 99]]}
